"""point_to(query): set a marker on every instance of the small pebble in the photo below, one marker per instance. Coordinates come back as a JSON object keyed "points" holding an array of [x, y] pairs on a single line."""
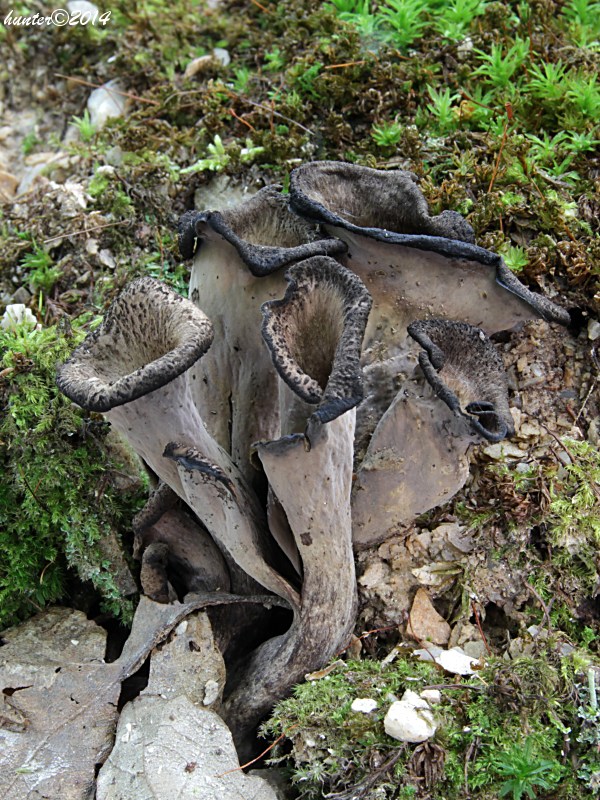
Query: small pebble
{"points": [[364, 704], [593, 329]]}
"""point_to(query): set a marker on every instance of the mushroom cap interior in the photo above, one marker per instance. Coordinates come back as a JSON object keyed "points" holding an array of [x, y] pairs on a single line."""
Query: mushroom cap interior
{"points": [[265, 232], [467, 373], [148, 337], [315, 334], [370, 198]]}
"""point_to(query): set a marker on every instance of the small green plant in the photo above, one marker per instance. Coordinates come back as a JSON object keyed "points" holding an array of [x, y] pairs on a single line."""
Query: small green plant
{"points": [[29, 143], [242, 77], [387, 134], [41, 271], [543, 148], [219, 156], [216, 160], [84, 126], [499, 65], [370, 26], [274, 60], [406, 18], [442, 108], [158, 268], [304, 77], [524, 771], [515, 257], [583, 92], [581, 142], [574, 511], [454, 19], [547, 81], [583, 19]]}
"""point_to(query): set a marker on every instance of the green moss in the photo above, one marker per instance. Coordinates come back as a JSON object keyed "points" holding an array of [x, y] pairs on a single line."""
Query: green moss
{"points": [[56, 468], [500, 731]]}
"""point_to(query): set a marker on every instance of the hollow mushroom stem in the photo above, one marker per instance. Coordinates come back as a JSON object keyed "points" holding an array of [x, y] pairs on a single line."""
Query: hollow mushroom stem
{"points": [[314, 334], [134, 368], [239, 256], [313, 486]]}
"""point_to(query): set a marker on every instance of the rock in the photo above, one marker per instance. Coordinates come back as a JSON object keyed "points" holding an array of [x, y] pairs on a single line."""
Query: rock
{"points": [[456, 535], [82, 6], [172, 748], [594, 431], [278, 780], [105, 257], [364, 705], [424, 622], [21, 296], [376, 573], [198, 65], [8, 186], [593, 329], [410, 719], [106, 102], [202, 64], [439, 575], [17, 314], [189, 664], [432, 696], [502, 451], [222, 56], [454, 660]]}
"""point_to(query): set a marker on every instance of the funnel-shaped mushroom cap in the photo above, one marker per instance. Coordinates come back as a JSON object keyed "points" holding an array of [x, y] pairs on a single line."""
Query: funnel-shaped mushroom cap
{"points": [[149, 336], [415, 266], [237, 267], [361, 198], [265, 233], [315, 335], [466, 372]]}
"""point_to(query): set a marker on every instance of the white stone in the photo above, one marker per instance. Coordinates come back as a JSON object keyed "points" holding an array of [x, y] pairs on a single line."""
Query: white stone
{"points": [[413, 699], [222, 56], [106, 102], [17, 314], [211, 692], [593, 329], [106, 258], [454, 660], [82, 6], [409, 723], [503, 450], [364, 704], [432, 696]]}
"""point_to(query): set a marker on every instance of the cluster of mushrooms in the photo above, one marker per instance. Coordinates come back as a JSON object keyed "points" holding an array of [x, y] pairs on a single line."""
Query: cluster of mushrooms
{"points": [[319, 389]]}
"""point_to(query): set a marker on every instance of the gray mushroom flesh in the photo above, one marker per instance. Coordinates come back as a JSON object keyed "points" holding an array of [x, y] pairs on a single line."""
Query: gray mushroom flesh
{"points": [[320, 388], [416, 267], [239, 259]]}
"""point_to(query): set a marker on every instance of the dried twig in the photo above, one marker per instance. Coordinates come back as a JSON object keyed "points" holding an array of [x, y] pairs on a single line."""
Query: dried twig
{"points": [[109, 89], [346, 64], [545, 608], [478, 621], [86, 230], [242, 120], [258, 757], [372, 778], [509, 117]]}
